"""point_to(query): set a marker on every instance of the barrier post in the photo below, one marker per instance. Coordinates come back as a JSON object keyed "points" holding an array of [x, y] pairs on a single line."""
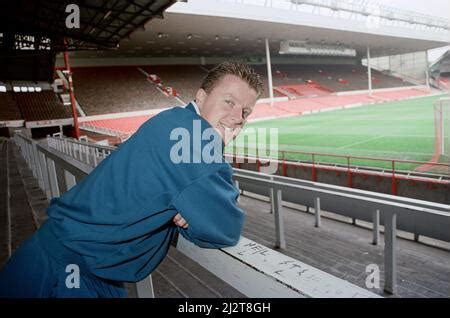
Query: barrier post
{"points": [[390, 253], [349, 174], [280, 241], [376, 227], [394, 181], [317, 212], [314, 172], [144, 288]]}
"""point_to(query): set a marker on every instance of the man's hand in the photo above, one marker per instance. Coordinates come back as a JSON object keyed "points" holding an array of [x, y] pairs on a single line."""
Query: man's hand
{"points": [[179, 221]]}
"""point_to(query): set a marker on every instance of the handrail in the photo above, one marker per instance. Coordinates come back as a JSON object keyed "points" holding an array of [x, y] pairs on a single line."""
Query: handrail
{"points": [[83, 151], [84, 143], [369, 194], [428, 219], [284, 152], [61, 146], [256, 267], [354, 198], [393, 172], [260, 160]]}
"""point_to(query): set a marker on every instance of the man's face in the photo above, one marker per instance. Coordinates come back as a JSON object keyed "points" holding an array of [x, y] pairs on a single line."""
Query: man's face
{"points": [[227, 106]]}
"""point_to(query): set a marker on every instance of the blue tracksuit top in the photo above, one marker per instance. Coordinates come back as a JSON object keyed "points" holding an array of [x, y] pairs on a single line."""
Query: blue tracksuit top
{"points": [[119, 217]]}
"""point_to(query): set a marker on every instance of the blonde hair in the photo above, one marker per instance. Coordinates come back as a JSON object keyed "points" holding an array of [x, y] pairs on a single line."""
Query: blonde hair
{"points": [[241, 70]]}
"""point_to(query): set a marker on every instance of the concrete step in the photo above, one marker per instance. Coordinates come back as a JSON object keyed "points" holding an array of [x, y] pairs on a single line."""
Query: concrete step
{"points": [[22, 220], [33, 194]]}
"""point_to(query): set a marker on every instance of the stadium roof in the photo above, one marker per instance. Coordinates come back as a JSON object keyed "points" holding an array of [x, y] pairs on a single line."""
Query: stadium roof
{"points": [[442, 64], [42, 24], [216, 28], [445, 56]]}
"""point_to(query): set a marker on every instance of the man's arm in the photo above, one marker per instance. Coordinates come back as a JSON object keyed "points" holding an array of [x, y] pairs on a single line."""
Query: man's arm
{"points": [[208, 205]]}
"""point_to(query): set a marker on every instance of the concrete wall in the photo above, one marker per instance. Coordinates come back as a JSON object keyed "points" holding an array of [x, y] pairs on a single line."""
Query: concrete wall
{"points": [[422, 190]]}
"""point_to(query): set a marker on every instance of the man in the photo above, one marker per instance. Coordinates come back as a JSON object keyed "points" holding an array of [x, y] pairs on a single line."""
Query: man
{"points": [[117, 224]]}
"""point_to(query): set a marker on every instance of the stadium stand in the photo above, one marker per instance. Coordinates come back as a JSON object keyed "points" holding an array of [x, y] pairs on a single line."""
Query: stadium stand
{"points": [[311, 89], [186, 79], [331, 78], [102, 90], [444, 82], [401, 94], [9, 109], [440, 71], [307, 105], [41, 106]]}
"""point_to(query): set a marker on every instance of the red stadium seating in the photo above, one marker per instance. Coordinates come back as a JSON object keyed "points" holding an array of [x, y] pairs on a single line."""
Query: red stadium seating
{"points": [[124, 125], [102, 90], [302, 105]]}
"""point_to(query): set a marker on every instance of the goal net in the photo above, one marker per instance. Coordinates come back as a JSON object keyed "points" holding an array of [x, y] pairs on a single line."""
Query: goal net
{"points": [[442, 128]]}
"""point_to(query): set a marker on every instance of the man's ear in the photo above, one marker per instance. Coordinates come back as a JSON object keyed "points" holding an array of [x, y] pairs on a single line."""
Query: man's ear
{"points": [[200, 97]]}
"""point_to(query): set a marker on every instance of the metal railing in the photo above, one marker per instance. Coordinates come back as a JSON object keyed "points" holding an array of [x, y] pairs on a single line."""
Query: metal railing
{"points": [[415, 216], [392, 165], [90, 153], [349, 165], [252, 270], [83, 151]]}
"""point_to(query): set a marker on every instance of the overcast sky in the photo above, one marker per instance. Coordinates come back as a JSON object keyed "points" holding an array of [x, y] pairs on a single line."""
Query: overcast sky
{"points": [[440, 8]]}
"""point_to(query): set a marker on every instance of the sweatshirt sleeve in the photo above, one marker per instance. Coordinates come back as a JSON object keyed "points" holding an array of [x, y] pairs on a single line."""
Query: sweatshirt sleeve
{"points": [[209, 206]]}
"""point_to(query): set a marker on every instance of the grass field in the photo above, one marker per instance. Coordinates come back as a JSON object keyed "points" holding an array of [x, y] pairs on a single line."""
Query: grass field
{"points": [[397, 130]]}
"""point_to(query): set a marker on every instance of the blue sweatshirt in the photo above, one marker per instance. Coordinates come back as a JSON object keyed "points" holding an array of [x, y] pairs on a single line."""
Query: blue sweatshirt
{"points": [[119, 217]]}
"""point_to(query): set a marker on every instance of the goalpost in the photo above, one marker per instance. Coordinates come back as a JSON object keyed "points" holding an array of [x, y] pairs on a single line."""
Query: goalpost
{"points": [[442, 127]]}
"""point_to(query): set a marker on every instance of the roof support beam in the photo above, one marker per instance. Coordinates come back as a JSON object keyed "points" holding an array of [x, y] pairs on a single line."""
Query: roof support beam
{"points": [[369, 71], [269, 71]]}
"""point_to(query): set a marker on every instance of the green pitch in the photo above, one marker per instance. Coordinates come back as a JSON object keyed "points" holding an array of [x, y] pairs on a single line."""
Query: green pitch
{"points": [[397, 130]]}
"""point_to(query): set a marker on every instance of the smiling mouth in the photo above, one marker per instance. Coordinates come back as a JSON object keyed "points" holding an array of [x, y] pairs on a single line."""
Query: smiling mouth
{"points": [[227, 130]]}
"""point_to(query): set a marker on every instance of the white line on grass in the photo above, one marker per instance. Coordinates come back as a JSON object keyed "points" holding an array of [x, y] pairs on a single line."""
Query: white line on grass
{"points": [[360, 142]]}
